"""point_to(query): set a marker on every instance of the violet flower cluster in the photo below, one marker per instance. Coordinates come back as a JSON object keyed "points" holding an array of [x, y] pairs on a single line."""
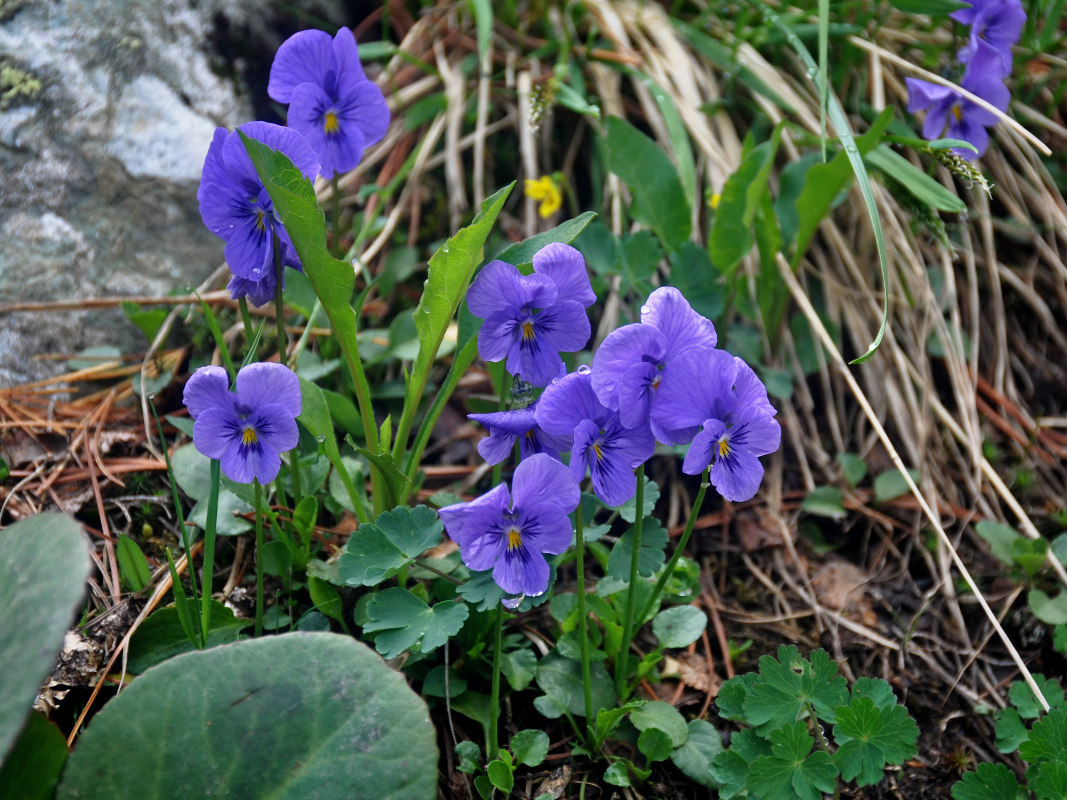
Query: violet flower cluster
{"points": [[660, 379], [334, 113], [995, 28]]}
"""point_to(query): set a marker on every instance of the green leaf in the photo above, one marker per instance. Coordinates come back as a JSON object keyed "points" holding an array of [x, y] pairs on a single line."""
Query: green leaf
{"points": [[853, 467], [1052, 610], [275, 559], [1011, 731], [1000, 537], [891, 484], [561, 679], [227, 523], [1048, 738], [1030, 554], [501, 775], [931, 7], [878, 690], [1048, 781], [869, 737], [637, 259], [530, 747], [482, 592], [825, 501], [326, 598], [661, 716], [352, 728], [44, 563], [679, 626], [469, 755], [616, 774], [987, 782], [148, 321], [695, 756], [730, 767], [693, 274], [792, 771], [518, 667], [378, 550], [334, 280], [659, 200], [133, 566], [921, 186], [628, 510], [790, 683], [732, 694], [1022, 696], [31, 770], [651, 556], [448, 275], [162, 636], [731, 233], [406, 622], [1059, 639], [566, 232], [654, 744]]}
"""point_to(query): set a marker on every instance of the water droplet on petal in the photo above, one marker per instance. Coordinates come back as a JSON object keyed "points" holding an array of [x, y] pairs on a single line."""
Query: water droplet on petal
{"points": [[646, 309], [583, 369]]}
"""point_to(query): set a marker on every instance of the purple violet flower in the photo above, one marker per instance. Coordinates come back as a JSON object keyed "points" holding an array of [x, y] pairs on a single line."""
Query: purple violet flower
{"points": [[722, 407], [602, 444], [950, 114], [505, 427], [331, 102], [530, 319], [632, 361], [246, 430], [995, 28], [236, 208], [508, 532]]}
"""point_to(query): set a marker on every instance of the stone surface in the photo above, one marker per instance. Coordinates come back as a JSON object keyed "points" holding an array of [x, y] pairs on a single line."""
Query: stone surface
{"points": [[100, 164]]}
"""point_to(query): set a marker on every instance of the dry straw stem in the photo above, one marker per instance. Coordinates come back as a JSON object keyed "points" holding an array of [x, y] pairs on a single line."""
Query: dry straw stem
{"points": [[813, 319]]}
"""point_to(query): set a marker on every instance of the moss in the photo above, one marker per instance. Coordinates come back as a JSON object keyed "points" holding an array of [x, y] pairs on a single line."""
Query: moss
{"points": [[16, 84]]}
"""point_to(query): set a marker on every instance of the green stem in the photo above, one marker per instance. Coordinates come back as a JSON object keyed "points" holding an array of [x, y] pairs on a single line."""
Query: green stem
{"points": [[494, 697], [246, 318], [623, 661], [279, 302], [505, 392], [583, 621], [677, 554], [209, 550], [259, 558]]}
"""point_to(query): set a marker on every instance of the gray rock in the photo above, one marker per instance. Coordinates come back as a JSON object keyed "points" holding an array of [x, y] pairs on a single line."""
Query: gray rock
{"points": [[100, 162]]}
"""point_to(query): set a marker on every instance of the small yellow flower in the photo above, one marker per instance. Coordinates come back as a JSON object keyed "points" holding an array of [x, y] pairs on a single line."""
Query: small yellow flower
{"points": [[713, 201], [547, 191]]}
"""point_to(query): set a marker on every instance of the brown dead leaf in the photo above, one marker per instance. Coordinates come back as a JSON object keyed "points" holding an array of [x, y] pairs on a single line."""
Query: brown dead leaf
{"points": [[842, 586], [758, 529]]}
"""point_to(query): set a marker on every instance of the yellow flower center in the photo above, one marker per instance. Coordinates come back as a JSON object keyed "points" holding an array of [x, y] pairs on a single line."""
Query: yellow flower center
{"points": [[957, 113], [514, 539], [597, 451], [248, 436], [724, 447], [259, 221], [527, 331], [330, 123]]}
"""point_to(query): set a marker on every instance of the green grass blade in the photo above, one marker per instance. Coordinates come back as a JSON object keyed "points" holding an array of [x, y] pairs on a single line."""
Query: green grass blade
{"points": [[863, 181]]}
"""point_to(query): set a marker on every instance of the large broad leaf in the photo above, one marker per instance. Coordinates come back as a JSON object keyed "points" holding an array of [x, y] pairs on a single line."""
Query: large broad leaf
{"points": [[659, 199], [695, 756], [44, 563], [302, 715], [32, 769]]}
